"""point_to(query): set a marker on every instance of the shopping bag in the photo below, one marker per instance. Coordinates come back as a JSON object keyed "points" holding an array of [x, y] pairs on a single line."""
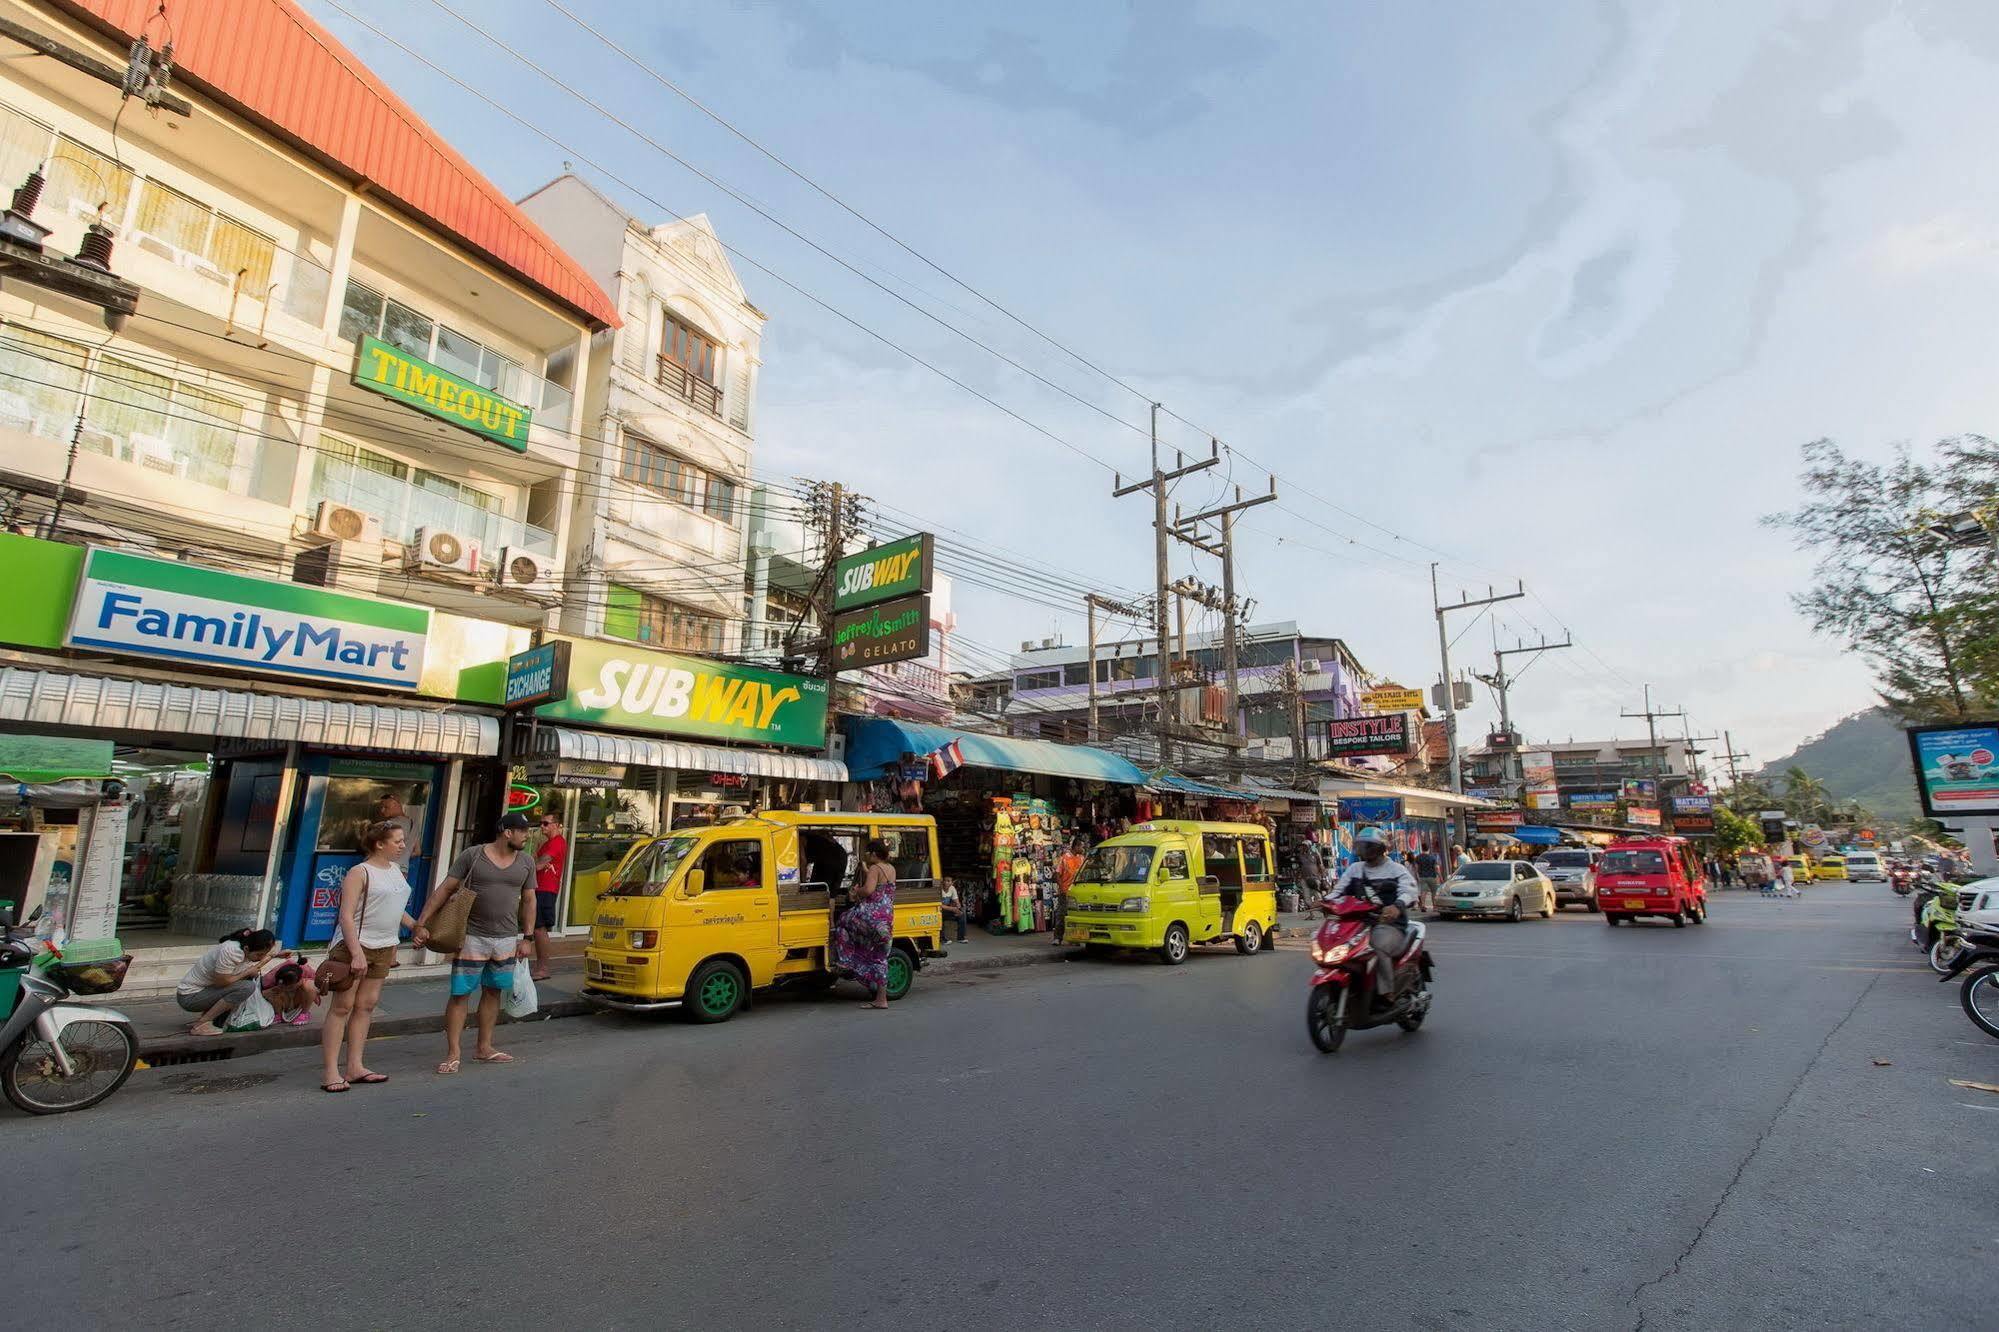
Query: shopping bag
{"points": [[521, 999], [253, 1014]]}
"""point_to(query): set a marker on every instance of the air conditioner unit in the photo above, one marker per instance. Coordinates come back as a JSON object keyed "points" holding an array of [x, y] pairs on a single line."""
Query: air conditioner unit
{"points": [[154, 454], [1311, 666], [436, 548], [334, 521], [524, 569]]}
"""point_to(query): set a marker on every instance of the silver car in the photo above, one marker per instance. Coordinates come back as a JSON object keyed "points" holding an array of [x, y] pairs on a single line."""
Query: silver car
{"points": [[1573, 872], [1508, 888]]}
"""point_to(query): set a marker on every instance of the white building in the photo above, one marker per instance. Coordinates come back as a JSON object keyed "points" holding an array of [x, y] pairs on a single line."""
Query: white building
{"points": [[662, 500], [348, 339]]}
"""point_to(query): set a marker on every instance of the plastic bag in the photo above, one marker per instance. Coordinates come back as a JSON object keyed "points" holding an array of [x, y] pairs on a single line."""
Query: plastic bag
{"points": [[253, 1014], [521, 1000]]}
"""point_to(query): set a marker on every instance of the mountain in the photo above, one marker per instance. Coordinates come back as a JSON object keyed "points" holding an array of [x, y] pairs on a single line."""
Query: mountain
{"points": [[1864, 758]]}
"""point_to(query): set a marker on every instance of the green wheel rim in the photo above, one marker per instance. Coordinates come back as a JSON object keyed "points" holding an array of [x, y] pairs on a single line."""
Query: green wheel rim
{"points": [[898, 976], [719, 993]]}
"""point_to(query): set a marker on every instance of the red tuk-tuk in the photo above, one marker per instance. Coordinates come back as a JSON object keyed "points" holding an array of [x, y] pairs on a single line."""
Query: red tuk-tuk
{"points": [[1652, 876]]}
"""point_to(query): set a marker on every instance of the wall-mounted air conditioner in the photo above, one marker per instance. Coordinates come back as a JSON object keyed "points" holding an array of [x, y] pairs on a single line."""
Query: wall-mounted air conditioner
{"points": [[525, 570], [437, 550], [334, 521]]}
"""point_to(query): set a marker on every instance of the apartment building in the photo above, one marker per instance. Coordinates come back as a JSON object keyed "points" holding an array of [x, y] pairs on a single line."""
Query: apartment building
{"points": [[354, 361], [662, 503]]}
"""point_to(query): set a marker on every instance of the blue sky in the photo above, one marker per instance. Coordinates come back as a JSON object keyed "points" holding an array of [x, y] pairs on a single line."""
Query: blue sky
{"points": [[1550, 291]]}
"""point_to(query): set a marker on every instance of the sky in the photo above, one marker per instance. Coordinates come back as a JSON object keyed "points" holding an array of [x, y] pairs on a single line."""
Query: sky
{"points": [[1548, 292]]}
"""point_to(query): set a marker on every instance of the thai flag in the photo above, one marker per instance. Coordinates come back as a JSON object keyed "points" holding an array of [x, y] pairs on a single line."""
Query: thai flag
{"points": [[945, 761]]}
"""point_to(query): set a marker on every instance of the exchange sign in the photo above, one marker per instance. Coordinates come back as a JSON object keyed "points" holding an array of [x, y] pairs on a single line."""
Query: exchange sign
{"points": [[537, 675]]}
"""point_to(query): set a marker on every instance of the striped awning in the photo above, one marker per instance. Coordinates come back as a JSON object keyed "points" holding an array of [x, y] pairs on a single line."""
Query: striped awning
{"points": [[157, 708], [643, 751]]}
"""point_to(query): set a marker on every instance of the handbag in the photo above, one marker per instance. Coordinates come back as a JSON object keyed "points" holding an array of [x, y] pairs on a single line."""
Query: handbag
{"points": [[447, 926], [336, 975]]}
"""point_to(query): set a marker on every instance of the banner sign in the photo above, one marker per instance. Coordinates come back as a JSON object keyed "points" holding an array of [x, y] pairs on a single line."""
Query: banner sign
{"points": [[1957, 768], [437, 392], [537, 675], [573, 774], [1693, 813], [1370, 809], [627, 687], [142, 607], [878, 635], [1592, 799], [1693, 804], [1496, 820], [1537, 774], [1643, 815], [1393, 698], [29, 760], [879, 573], [1485, 792], [1350, 737], [1641, 788]]}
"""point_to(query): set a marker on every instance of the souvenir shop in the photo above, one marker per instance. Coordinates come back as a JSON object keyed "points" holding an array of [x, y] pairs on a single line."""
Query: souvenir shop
{"points": [[1005, 807], [1293, 817]]}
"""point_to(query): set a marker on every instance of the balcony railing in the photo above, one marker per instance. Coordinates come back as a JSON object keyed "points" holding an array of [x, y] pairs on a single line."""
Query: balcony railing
{"points": [[677, 380], [404, 506]]}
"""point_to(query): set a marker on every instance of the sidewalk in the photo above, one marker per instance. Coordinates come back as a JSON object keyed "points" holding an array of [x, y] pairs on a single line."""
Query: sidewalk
{"points": [[413, 1004]]}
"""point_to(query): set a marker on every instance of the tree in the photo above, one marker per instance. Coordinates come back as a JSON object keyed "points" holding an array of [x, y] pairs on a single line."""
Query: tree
{"points": [[1732, 832], [1918, 605], [1805, 796]]}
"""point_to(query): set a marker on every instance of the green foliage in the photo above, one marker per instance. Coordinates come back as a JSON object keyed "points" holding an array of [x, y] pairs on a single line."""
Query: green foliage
{"points": [[1733, 832], [1922, 608]]}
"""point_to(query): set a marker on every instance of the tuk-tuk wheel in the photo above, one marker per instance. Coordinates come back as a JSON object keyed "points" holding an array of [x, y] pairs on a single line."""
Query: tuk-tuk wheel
{"points": [[901, 975], [1249, 939], [1174, 950], [715, 991]]}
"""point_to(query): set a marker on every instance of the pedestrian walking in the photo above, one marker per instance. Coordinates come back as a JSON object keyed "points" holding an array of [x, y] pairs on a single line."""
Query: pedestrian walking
{"points": [[862, 937], [1311, 874], [1426, 880], [549, 858], [1067, 866], [374, 908], [226, 975], [501, 877], [954, 908]]}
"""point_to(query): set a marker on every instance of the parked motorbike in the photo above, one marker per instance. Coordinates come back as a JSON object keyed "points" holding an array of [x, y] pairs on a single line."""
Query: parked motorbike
{"points": [[57, 1057], [1936, 931], [1342, 994], [1978, 990]]}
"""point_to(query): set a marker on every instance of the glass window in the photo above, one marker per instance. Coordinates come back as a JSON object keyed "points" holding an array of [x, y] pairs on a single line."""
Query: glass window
{"points": [[407, 330], [1117, 864], [461, 355], [40, 380], [354, 801], [736, 863], [721, 500], [695, 352], [647, 873], [1076, 673], [124, 400], [1173, 865], [1565, 859], [458, 491], [360, 312], [1484, 870], [205, 426], [1635, 862], [1039, 680], [909, 850], [76, 174]]}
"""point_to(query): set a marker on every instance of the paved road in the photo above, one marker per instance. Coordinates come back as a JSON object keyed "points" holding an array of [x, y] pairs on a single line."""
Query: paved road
{"points": [[1599, 1128]]}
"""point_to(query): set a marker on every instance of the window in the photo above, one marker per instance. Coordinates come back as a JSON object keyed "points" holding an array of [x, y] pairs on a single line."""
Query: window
{"points": [[1633, 862], [909, 850], [81, 176], [1114, 669], [1119, 864], [1076, 673], [1255, 859], [640, 618], [721, 499], [365, 310], [407, 330], [1218, 853], [1482, 871], [1173, 865], [647, 464], [192, 227], [1038, 680], [694, 351], [360, 312], [737, 863], [40, 378]]}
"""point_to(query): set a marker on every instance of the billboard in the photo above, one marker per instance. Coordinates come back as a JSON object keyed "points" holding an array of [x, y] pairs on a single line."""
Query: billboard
{"points": [[1957, 768], [1537, 774], [877, 635], [1351, 737], [1644, 815], [1370, 809], [901, 568], [1392, 698]]}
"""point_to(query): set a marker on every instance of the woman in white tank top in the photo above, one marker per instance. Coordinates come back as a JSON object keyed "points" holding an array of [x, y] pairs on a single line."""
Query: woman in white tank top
{"points": [[374, 911]]}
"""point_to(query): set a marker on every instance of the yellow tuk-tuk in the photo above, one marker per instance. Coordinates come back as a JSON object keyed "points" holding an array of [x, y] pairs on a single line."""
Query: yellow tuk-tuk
{"points": [[1172, 883], [696, 919]]}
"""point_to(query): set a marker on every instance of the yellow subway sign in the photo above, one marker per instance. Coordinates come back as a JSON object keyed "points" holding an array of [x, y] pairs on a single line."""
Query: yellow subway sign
{"points": [[437, 392], [893, 569]]}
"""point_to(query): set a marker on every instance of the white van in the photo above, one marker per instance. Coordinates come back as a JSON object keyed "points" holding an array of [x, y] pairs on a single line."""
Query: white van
{"points": [[1865, 865]]}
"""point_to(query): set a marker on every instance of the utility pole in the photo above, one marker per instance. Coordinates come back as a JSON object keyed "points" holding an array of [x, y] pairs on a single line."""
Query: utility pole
{"points": [[1450, 693], [1187, 529], [1652, 716], [1501, 683], [833, 514], [1092, 603], [1734, 776], [1157, 484]]}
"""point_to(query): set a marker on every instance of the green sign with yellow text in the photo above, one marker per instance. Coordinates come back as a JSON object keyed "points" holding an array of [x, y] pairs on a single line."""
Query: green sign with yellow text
{"points": [[631, 688], [437, 392]]}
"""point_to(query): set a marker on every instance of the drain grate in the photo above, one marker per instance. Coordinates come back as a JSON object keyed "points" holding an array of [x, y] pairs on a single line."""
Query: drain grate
{"points": [[201, 1084], [209, 1056]]}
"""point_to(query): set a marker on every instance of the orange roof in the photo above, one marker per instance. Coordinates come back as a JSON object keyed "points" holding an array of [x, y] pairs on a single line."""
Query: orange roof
{"points": [[266, 60]]}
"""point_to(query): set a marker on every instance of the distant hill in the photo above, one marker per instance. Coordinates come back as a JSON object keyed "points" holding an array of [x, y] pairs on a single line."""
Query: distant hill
{"points": [[1864, 758]]}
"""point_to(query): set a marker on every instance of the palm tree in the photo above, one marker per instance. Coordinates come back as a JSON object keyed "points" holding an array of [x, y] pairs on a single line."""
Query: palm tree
{"points": [[1805, 796]]}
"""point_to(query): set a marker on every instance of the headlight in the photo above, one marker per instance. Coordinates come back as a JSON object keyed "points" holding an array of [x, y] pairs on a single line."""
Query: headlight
{"points": [[1337, 953], [1139, 904], [644, 938]]}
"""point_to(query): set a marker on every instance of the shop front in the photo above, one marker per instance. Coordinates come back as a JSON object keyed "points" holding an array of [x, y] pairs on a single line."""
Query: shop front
{"points": [[623, 743], [1005, 807], [1417, 819]]}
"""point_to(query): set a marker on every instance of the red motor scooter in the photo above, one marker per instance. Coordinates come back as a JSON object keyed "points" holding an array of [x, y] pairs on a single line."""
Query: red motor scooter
{"points": [[1342, 997]]}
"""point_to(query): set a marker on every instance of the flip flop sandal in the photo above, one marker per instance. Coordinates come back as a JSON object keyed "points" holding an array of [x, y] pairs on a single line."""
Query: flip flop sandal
{"points": [[337, 1086], [497, 1057], [448, 1066], [370, 1080]]}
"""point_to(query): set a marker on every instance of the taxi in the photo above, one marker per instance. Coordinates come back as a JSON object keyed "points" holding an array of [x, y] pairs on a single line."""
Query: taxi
{"points": [[1172, 883], [1830, 867]]}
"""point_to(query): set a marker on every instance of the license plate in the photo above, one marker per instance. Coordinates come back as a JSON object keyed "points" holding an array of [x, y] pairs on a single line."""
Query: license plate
{"points": [[1077, 934], [1634, 904]]}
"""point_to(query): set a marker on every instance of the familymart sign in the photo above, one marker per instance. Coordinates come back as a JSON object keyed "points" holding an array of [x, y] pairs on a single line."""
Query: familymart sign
{"points": [[140, 607], [437, 392]]}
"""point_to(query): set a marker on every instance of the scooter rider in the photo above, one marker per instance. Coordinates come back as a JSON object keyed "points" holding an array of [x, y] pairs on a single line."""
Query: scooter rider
{"points": [[1373, 877]]}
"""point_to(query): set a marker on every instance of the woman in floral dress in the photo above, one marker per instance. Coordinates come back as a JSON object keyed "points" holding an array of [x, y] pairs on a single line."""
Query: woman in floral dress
{"points": [[861, 938]]}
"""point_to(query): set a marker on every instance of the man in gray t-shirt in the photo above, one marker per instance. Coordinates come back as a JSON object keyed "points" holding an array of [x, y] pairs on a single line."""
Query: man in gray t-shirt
{"points": [[500, 875]]}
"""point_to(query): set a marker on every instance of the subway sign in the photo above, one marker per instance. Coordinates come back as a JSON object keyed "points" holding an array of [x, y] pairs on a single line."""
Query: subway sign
{"points": [[437, 392], [881, 573], [140, 607], [626, 687]]}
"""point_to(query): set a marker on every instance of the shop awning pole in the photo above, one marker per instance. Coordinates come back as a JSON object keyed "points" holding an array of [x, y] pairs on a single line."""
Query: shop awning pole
{"points": [[280, 834]]}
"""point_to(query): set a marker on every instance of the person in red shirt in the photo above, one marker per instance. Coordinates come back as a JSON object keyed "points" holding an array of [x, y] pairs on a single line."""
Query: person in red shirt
{"points": [[548, 861]]}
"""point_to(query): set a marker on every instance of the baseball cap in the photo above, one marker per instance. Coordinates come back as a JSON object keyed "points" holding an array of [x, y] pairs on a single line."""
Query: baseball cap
{"points": [[514, 821]]}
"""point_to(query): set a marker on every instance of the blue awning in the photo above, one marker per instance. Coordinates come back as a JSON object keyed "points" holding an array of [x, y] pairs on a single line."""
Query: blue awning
{"points": [[1535, 835], [1177, 784], [875, 746]]}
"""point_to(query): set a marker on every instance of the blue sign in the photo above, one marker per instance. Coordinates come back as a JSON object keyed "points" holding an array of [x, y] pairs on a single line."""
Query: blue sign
{"points": [[1370, 809], [1957, 769], [539, 675], [322, 910]]}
